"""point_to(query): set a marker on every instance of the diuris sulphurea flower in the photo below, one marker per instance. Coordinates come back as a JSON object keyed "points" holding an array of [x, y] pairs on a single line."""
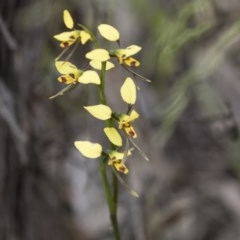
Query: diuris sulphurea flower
{"points": [[70, 37], [125, 123], [71, 74], [94, 150], [124, 55], [116, 159]]}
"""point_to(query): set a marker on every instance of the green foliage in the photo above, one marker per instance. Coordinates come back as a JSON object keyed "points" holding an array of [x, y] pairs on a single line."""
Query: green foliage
{"points": [[177, 35]]}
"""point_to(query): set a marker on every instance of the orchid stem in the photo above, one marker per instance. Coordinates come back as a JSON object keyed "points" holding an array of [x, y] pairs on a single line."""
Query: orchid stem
{"points": [[110, 194]]}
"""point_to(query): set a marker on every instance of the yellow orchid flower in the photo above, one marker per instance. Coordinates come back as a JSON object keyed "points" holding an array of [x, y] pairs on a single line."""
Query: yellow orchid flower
{"points": [[113, 136], [67, 38], [70, 37], [70, 73], [124, 55], [89, 149], [116, 160], [128, 91], [99, 111], [108, 32], [125, 121]]}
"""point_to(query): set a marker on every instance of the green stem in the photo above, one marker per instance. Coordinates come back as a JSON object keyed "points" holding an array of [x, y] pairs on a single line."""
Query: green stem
{"points": [[112, 206], [111, 196], [115, 190]]}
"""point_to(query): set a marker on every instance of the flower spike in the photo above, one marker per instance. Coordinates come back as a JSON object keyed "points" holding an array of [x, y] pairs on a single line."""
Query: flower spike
{"points": [[119, 129]]}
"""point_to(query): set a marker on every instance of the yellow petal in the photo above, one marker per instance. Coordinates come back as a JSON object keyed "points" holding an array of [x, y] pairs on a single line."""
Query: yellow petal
{"points": [[88, 149], [128, 91], [100, 111], [67, 36], [116, 156], [89, 77], [99, 54], [133, 115], [130, 131], [116, 160], [66, 79], [127, 52], [67, 18], [109, 32], [98, 65], [84, 36], [132, 49], [121, 167], [113, 136], [65, 67]]}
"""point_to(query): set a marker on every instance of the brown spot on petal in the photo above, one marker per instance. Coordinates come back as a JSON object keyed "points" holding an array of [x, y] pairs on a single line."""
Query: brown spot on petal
{"points": [[122, 169], [72, 37], [117, 161], [133, 64], [131, 133], [63, 79], [71, 75], [65, 44], [126, 125]]}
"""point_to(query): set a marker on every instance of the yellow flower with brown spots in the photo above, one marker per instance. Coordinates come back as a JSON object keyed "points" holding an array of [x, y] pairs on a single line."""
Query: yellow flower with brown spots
{"points": [[70, 37], [124, 55], [72, 75], [116, 159], [125, 122]]}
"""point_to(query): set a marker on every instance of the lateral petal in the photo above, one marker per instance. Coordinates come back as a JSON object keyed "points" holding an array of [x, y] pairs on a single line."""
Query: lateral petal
{"points": [[109, 32], [89, 149], [113, 136], [100, 111], [128, 91], [89, 76]]}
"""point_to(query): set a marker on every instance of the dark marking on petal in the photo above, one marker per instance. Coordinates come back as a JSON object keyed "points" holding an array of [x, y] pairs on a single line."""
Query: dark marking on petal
{"points": [[65, 44], [64, 80], [133, 64], [72, 75], [122, 169], [131, 133]]}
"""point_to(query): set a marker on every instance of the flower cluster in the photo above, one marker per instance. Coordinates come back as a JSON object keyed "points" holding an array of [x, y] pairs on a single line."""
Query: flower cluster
{"points": [[119, 126]]}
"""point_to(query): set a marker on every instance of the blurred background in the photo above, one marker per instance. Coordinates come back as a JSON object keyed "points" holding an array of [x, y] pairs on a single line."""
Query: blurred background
{"points": [[189, 125]]}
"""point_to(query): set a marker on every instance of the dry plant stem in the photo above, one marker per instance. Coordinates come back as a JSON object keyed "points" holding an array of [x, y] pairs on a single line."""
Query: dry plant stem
{"points": [[111, 195]]}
